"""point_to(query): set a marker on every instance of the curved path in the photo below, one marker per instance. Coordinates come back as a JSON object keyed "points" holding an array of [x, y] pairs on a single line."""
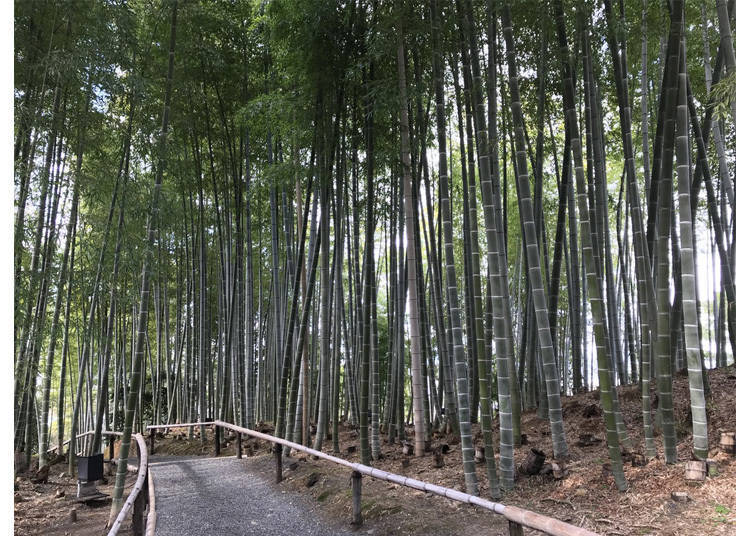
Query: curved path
{"points": [[224, 496]]}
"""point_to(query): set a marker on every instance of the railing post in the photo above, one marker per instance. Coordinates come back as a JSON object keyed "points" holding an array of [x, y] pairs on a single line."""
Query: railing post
{"points": [[152, 438], [217, 445], [514, 529], [277, 452], [356, 498], [111, 453], [239, 446], [138, 507]]}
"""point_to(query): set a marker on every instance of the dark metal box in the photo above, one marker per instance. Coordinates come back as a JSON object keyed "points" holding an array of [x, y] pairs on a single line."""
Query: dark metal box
{"points": [[91, 468]]}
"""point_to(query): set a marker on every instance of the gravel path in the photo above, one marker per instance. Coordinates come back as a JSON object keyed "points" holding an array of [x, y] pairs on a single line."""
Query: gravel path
{"points": [[222, 496]]}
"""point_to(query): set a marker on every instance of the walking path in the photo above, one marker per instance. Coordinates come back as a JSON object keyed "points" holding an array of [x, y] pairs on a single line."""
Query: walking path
{"points": [[223, 496]]}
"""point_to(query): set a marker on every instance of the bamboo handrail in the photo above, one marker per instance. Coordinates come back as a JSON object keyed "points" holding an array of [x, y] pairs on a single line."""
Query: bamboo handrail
{"points": [[84, 434], [151, 519], [137, 487], [513, 514], [178, 425]]}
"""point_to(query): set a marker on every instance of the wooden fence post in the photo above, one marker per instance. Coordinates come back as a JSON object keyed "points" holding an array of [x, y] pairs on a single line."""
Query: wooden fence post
{"points": [[239, 446], [356, 498], [277, 452], [138, 507], [111, 453], [152, 438], [514, 529], [217, 445]]}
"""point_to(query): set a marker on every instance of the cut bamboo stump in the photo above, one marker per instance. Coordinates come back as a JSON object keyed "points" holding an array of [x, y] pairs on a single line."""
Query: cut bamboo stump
{"points": [[479, 454], [239, 446], [695, 471], [680, 496], [728, 443], [534, 462]]}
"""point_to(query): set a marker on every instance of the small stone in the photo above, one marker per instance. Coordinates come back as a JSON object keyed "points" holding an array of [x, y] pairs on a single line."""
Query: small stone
{"points": [[59, 493]]}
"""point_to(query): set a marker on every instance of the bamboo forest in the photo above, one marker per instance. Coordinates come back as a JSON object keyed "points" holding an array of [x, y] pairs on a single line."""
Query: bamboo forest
{"points": [[383, 250]]}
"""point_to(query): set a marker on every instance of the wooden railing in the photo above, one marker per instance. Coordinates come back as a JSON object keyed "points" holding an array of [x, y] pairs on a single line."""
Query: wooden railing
{"points": [[109, 433], [141, 492], [517, 517]]}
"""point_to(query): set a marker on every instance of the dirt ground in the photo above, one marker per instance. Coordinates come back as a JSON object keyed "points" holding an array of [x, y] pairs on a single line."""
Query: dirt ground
{"points": [[586, 497], [39, 509]]}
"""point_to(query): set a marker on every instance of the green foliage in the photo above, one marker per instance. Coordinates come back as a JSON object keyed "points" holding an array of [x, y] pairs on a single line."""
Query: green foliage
{"points": [[721, 512], [724, 95]]}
